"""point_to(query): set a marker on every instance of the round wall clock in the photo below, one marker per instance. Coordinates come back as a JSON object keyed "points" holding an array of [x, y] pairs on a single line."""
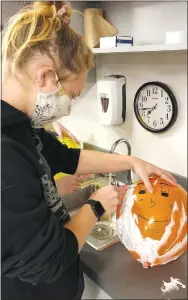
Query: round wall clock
{"points": [[155, 107]]}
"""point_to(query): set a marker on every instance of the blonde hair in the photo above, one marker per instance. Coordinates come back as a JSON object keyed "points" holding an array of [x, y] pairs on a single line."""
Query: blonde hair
{"points": [[39, 28]]}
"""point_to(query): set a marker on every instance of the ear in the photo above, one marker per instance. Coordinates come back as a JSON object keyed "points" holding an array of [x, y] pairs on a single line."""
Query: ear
{"points": [[46, 74]]}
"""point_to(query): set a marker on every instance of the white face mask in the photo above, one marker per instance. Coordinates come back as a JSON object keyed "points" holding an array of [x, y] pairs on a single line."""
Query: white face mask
{"points": [[50, 107]]}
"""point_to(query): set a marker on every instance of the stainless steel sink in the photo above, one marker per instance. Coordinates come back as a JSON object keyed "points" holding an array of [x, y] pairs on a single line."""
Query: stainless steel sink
{"points": [[104, 233]]}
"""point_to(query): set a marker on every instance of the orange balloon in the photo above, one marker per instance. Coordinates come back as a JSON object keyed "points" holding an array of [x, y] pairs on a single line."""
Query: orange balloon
{"points": [[153, 227]]}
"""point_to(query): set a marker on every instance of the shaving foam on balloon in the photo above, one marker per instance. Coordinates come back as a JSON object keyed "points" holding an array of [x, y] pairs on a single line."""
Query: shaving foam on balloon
{"points": [[153, 227]]}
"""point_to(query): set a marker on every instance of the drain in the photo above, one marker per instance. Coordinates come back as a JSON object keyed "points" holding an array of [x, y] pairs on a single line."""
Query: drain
{"points": [[102, 232]]}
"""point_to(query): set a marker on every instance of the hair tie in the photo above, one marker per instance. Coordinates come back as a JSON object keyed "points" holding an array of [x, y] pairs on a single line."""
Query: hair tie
{"points": [[63, 12]]}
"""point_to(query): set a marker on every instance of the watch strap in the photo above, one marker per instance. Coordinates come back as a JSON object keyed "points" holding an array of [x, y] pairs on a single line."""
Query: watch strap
{"points": [[95, 205]]}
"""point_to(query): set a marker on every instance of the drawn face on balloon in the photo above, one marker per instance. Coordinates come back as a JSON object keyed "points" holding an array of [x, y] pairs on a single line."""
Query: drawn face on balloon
{"points": [[153, 211]]}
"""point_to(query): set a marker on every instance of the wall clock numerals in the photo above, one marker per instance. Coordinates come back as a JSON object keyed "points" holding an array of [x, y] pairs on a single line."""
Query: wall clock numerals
{"points": [[155, 107]]}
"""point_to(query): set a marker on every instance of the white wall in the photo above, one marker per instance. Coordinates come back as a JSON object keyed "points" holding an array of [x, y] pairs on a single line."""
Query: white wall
{"points": [[9, 8], [168, 150], [148, 22]]}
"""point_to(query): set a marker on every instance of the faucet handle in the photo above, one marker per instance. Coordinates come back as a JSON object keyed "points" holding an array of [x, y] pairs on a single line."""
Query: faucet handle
{"points": [[128, 182], [114, 181], [112, 178]]}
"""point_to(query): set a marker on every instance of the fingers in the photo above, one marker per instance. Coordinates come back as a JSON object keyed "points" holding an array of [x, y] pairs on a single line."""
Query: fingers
{"points": [[115, 195], [168, 179], [78, 185], [59, 132], [57, 128], [170, 176], [79, 179], [166, 176], [163, 174], [147, 183], [144, 170], [73, 137], [115, 202]]}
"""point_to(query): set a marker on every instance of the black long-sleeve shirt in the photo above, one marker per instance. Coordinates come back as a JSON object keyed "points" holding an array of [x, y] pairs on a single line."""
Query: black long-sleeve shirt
{"points": [[39, 256]]}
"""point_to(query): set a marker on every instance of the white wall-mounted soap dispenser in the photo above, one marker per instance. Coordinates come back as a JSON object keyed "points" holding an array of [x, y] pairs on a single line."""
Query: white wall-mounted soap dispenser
{"points": [[111, 97]]}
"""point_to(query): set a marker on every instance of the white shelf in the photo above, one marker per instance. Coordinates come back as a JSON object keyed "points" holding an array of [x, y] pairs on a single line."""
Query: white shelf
{"points": [[146, 48]]}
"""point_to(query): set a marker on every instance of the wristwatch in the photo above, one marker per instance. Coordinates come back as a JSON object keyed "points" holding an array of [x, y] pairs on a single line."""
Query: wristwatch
{"points": [[97, 208]]}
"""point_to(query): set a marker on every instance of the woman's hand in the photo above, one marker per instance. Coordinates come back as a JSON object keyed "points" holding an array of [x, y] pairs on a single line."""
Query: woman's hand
{"points": [[108, 197], [61, 130], [68, 184], [145, 170]]}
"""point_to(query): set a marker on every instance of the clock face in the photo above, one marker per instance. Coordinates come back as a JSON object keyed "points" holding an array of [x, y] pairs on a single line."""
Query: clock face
{"points": [[155, 107]]}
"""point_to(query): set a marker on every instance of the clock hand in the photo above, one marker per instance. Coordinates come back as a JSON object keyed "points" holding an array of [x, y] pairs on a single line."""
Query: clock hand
{"points": [[154, 107], [145, 108]]}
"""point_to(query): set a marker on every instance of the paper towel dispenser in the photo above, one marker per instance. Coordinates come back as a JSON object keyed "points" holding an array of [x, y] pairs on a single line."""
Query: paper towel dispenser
{"points": [[111, 97]]}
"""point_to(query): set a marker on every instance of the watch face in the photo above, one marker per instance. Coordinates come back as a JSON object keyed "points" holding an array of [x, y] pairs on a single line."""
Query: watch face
{"points": [[99, 208], [155, 107]]}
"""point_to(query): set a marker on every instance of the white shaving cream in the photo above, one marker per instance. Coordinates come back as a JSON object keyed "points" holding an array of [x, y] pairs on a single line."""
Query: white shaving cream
{"points": [[131, 237], [173, 285]]}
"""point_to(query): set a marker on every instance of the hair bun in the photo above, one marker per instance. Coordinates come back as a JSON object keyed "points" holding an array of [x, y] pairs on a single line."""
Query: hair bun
{"points": [[62, 8], [42, 4]]}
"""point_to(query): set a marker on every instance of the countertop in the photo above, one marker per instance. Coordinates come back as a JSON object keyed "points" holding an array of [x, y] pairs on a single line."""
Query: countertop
{"points": [[122, 277]]}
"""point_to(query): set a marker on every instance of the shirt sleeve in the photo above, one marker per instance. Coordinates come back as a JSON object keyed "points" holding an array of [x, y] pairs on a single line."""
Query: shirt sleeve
{"points": [[35, 246], [59, 157]]}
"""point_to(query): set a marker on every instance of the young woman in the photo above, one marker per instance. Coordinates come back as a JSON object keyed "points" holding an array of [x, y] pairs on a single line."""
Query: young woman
{"points": [[45, 65]]}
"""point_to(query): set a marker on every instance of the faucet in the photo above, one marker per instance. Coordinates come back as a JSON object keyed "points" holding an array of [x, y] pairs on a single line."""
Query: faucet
{"points": [[112, 150]]}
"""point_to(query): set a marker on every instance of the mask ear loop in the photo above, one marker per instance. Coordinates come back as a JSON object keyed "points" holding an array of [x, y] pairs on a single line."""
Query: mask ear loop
{"points": [[38, 83], [58, 84], [60, 89]]}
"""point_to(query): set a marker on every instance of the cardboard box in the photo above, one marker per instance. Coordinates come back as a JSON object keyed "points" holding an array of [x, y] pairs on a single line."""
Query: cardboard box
{"points": [[116, 41]]}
